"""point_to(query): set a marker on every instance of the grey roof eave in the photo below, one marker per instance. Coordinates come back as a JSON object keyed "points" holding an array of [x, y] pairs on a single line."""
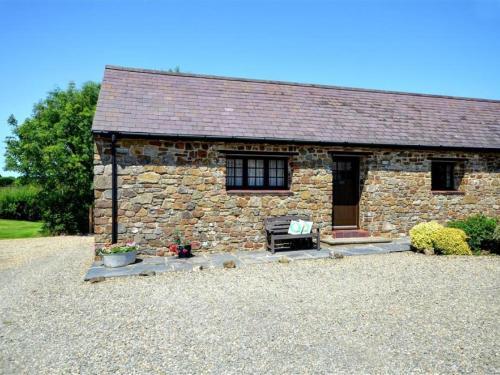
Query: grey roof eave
{"points": [[291, 140]]}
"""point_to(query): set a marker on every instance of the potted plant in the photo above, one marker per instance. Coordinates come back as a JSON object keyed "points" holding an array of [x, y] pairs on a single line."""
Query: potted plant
{"points": [[117, 255], [181, 246]]}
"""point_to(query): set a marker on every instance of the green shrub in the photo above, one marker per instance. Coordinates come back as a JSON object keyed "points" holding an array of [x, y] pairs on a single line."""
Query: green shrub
{"points": [[20, 203], [479, 230], [450, 241], [421, 235]]}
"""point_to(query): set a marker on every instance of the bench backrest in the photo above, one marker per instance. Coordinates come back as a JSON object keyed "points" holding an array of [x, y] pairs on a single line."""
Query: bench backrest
{"points": [[282, 223]]}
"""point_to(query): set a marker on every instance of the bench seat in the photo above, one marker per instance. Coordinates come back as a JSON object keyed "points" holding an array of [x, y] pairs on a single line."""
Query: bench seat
{"points": [[277, 230]]}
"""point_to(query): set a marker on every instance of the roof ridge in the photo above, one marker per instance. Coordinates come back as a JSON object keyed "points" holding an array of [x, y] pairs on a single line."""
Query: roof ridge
{"points": [[312, 85]]}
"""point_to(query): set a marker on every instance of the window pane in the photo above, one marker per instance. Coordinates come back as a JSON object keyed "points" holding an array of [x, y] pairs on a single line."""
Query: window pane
{"points": [[276, 173], [280, 172], [234, 172], [449, 176], [255, 172]]}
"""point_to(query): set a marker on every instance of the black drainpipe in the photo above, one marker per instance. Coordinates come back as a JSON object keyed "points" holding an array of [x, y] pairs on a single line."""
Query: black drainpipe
{"points": [[114, 188]]}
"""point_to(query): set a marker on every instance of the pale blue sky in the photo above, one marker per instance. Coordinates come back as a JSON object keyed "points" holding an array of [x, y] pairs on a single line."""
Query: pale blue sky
{"points": [[442, 47]]}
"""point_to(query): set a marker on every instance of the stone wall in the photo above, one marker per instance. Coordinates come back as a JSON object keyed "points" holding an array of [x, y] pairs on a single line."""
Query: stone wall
{"points": [[166, 185], [397, 190]]}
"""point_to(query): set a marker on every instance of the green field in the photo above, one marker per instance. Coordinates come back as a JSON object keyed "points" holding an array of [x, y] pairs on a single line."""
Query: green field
{"points": [[20, 229]]}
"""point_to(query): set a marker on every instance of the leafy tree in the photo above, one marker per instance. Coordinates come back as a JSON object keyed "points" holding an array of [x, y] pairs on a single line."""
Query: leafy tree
{"points": [[53, 149]]}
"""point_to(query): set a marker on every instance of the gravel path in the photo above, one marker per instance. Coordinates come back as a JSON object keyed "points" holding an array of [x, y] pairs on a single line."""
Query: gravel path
{"points": [[395, 313]]}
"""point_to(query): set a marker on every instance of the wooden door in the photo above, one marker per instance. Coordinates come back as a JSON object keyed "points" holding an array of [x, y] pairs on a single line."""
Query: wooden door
{"points": [[345, 192]]}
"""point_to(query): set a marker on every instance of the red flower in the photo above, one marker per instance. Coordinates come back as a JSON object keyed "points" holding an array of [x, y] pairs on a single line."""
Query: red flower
{"points": [[173, 248]]}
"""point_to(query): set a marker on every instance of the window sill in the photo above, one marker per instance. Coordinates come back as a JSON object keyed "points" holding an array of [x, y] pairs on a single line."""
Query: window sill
{"points": [[447, 192], [259, 192]]}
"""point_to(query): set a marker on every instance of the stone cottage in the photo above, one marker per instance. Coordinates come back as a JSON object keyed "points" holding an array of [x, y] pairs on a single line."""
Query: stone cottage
{"points": [[214, 156]]}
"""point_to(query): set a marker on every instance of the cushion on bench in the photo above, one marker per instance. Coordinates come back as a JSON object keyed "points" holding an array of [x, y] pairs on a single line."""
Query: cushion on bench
{"points": [[295, 227]]}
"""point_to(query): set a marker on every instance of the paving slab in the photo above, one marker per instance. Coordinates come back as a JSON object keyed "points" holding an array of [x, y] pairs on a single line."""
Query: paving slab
{"points": [[251, 254], [197, 260], [299, 254], [179, 266], [154, 260], [130, 270], [354, 240], [395, 247], [240, 258], [319, 254], [365, 250], [258, 260]]}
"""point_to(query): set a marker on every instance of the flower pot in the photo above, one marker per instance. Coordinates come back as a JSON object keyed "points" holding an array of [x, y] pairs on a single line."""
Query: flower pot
{"points": [[184, 251], [119, 260]]}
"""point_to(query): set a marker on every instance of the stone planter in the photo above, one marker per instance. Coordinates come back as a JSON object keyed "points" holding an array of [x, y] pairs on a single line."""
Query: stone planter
{"points": [[119, 260]]}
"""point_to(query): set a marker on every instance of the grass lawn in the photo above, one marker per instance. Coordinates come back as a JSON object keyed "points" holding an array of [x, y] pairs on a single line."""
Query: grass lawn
{"points": [[20, 229]]}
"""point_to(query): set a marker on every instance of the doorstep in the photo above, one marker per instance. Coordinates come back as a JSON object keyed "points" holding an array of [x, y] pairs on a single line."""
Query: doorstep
{"points": [[396, 245], [150, 266]]}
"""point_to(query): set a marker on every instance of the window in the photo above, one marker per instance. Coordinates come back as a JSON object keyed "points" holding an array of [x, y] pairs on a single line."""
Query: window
{"points": [[443, 175], [256, 173]]}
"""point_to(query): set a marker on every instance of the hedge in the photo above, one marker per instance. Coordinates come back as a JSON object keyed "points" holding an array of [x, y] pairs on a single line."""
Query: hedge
{"points": [[20, 203]]}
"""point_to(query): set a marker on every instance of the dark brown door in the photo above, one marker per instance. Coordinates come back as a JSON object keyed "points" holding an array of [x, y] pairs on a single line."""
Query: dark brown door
{"points": [[345, 192]]}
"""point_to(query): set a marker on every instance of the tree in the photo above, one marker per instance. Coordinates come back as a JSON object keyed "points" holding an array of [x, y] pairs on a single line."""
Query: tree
{"points": [[53, 149]]}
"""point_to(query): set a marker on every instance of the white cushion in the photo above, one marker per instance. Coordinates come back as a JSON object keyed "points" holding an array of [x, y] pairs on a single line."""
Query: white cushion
{"points": [[295, 227], [306, 226]]}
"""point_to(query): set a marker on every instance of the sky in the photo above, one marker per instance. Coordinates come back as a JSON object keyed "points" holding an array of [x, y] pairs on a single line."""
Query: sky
{"points": [[439, 47]]}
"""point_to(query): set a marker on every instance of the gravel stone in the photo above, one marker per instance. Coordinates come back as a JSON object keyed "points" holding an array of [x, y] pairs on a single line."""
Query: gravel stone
{"points": [[229, 264], [284, 260], [336, 255], [97, 279], [388, 313], [147, 273]]}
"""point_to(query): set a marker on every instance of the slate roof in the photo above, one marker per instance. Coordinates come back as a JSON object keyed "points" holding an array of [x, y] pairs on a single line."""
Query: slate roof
{"points": [[138, 101]]}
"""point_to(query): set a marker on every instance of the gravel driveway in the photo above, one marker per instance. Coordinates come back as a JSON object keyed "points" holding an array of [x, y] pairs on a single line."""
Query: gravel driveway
{"points": [[394, 313]]}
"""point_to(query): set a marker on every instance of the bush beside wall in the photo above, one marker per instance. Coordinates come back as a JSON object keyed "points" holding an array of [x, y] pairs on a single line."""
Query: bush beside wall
{"points": [[421, 236], [479, 230], [450, 241]]}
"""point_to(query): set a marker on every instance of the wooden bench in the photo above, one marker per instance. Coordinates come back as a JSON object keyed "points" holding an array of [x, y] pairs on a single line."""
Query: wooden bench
{"points": [[277, 230]]}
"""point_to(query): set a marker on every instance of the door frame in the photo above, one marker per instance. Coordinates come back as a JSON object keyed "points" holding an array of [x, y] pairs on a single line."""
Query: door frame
{"points": [[357, 158]]}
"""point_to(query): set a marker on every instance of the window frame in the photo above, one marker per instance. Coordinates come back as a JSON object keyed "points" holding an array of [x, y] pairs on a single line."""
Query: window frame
{"points": [[445, 163], [266, 160]]}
